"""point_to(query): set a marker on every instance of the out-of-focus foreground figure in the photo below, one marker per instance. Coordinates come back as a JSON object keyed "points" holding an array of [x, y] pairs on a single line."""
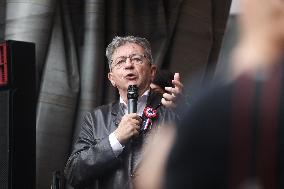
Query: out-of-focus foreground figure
{"points": [[151, 172], [233, 135]]}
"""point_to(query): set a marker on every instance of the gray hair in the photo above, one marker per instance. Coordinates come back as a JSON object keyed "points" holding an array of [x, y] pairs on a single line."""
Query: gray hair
{"points": [[120, 41]]}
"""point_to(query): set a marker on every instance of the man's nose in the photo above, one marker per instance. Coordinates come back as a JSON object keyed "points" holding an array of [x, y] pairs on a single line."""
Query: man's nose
{"points": [[128, 62]]}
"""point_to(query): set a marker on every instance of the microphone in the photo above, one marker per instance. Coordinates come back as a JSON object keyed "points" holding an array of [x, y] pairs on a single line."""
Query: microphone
{"points": [[132, 96]]}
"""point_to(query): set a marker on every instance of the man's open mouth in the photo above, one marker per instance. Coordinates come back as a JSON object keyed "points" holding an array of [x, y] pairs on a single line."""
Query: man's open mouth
{"points": [[130, 76]]}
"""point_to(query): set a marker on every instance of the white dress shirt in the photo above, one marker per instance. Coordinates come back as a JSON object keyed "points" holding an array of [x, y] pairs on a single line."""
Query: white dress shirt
{"points": [[141, 103]]}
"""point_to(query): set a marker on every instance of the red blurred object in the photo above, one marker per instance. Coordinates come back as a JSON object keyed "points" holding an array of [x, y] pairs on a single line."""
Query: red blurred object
{"points": [[3, 65]]}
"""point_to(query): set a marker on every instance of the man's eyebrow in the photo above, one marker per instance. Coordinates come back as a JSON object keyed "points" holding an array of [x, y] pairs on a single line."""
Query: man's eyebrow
{"points": [[128, 55]]}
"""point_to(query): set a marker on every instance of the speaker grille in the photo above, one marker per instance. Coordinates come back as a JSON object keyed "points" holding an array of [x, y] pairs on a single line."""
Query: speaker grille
{"points": [[4, 139]]}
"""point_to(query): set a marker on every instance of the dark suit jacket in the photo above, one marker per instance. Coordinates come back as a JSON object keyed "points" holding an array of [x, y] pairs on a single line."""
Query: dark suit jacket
{"points": [[93, 164]]}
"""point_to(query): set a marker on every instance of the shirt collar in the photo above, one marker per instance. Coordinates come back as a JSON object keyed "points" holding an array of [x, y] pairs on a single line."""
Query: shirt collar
{"points": [[142, 98], [141, 102]]}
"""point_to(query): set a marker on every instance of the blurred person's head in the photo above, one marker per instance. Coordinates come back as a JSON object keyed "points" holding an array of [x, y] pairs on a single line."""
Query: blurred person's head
{"points": [[261, 41]]}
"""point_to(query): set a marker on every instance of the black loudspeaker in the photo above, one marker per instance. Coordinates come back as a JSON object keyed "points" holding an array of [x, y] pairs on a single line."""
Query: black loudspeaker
{"points": [[17, 115]]}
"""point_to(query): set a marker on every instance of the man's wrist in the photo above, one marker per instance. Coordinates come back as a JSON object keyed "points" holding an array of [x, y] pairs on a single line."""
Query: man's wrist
{"points": [[116, 146]]}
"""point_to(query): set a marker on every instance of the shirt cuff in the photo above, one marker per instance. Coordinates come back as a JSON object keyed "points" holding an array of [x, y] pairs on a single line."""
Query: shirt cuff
{"points": [[117, 148]]}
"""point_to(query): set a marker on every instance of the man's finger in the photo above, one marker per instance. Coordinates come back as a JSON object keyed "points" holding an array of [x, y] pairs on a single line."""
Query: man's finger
{"points": [[177, 77], [177, 84], [165, 102], [168, 104], [137, 127], [138, 118], [168, 97], [134, 122], [135, 133], [172, 90], [131, 115]]}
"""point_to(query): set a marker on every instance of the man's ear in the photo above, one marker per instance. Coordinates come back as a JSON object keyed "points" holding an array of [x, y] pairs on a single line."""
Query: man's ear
{"points": [[110, 78]]}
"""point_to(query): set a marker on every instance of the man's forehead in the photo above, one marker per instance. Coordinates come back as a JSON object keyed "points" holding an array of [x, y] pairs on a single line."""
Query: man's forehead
{"points": [[127, 49]]}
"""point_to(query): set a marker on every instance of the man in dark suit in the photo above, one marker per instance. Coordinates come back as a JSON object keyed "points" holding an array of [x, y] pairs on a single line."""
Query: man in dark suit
{"points": [[109, 145]]}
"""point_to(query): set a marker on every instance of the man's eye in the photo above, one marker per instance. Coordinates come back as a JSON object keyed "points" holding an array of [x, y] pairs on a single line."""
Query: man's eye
{"points": [[136, 59], [119, 62]]}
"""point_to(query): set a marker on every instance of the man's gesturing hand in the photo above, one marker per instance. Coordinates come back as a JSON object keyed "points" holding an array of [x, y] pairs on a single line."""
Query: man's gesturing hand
{"points": [[128, 127], [169, 99]]}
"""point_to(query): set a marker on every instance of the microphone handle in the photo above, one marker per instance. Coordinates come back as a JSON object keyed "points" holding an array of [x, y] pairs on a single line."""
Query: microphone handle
{"points": [[132, 106]]}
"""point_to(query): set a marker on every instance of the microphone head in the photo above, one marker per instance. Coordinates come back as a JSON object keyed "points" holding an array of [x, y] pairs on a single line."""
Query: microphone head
{"points": [[132, 92]]}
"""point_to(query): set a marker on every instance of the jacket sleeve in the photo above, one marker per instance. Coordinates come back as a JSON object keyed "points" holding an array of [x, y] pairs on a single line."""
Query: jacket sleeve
{"points": [[91, 158]]}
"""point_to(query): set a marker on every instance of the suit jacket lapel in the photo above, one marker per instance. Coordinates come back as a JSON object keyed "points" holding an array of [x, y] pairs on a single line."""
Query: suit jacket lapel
{"points": [[116, 113]]}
